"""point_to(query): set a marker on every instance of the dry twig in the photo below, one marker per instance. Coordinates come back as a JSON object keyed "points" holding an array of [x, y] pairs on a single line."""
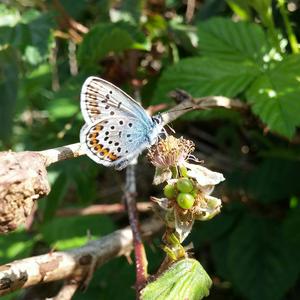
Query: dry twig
{"points": [[101, 209], [74, 263]]}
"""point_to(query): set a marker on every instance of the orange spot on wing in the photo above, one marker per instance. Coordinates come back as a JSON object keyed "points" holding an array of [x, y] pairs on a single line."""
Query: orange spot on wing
{"points": [[97, 128], [93, 135]]}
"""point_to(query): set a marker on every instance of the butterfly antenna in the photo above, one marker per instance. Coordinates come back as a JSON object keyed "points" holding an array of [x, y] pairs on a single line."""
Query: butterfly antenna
{"points": [[164, 131], [183, 109], [195, 159], [171, 128]]}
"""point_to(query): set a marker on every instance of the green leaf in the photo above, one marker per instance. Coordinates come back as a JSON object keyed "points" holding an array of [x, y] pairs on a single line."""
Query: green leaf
{"points": [[65, 102], [291, 230], [210, 8], [108, 37], [133, 8], [204, 77], [71, 232], [274, 96], [58, 191], [233, 41], [14, 246], [9, 16], [30, 35], [273, 180], [184, 35], [264, 9], [261, 265], [204, 232], [185, 279], [9, 89]]}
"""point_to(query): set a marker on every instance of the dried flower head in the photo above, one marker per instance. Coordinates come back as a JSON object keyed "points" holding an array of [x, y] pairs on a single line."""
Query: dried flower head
{"points": [[170, 152]]}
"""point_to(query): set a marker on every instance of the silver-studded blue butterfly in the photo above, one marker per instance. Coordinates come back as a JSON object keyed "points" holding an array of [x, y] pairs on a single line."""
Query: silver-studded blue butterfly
{"points": [[117, 128]]}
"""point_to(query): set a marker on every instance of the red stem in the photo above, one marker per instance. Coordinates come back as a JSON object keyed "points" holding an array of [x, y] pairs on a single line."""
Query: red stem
{"points": [[139, 250]]}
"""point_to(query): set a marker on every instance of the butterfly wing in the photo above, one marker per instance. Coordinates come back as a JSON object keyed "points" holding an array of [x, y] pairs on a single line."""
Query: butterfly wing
{"points": [[118, 128], [114, 142], [100, 99]]}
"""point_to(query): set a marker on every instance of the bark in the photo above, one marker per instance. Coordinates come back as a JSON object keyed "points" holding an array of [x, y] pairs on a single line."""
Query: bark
{"points": [[76, 264], [23, 179]]}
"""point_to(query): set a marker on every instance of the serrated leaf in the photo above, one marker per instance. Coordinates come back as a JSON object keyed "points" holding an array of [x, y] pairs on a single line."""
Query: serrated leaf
{"points": [[185, 279], [261, 264], [204, 77], [274, 96], [232, 41], [108, 37]]}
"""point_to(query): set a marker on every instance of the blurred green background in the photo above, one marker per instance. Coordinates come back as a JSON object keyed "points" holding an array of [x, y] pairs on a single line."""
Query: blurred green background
{"points": [[241, 49]]}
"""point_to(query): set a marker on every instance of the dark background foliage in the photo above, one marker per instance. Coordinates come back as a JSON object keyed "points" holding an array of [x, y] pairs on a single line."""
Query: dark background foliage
{"points": [[237, 48]]}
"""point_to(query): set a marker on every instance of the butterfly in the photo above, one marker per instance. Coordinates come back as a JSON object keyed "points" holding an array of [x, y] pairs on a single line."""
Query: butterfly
{"points": [[117, 127]]}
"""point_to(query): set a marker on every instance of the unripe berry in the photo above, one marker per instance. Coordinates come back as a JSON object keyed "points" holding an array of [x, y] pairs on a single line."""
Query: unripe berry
{"points": [[170, 191], [185, 200], [184, 185]]}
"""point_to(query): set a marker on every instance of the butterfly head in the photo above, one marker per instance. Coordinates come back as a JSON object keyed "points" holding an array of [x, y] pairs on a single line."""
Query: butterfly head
{"points": [[157, 120], [156, 129]]}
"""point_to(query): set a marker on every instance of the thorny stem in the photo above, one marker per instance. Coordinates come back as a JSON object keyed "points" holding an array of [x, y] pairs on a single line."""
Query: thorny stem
{"points": [[139, 250]]}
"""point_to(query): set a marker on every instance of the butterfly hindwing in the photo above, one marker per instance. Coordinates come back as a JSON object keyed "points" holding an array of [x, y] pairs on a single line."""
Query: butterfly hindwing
{"points": [[113, 141]]}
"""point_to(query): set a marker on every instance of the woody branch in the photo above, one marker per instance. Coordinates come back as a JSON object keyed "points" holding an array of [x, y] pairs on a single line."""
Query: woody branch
{"points": [[77, 264], [23, 175]]}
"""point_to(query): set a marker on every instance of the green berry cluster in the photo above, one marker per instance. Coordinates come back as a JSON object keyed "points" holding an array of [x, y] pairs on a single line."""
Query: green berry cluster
{"points": [[183, 191]]}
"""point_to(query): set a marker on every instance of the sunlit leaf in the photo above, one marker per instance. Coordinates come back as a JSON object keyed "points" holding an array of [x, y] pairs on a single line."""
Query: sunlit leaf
{"points": [[75, 231], [9, 16], [185, 279], [15, 245], [274, 96], [205, 77], [233, 41]]}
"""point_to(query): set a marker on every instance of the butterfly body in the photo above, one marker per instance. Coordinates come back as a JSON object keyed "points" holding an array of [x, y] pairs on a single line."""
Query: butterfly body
{"points": [[117, 128]]}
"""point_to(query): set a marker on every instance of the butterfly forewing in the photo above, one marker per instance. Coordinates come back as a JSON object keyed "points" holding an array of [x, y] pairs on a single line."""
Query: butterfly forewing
{"points": [[100, 98]]}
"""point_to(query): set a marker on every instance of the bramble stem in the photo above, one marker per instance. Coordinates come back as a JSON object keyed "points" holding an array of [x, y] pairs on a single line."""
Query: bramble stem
{"points": [[141, 262]]}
